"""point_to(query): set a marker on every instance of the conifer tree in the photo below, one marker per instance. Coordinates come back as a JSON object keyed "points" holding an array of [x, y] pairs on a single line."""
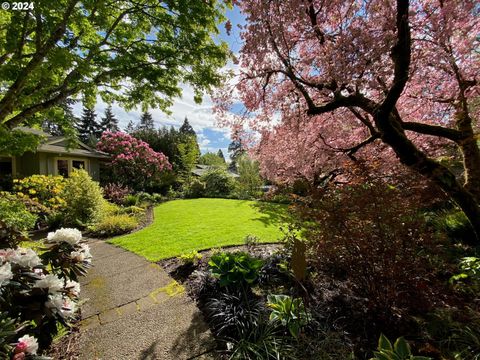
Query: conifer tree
{"points": [[187, 129], [109, 122], [88, 128], [220, 155], [146, 122], [130, 127]]}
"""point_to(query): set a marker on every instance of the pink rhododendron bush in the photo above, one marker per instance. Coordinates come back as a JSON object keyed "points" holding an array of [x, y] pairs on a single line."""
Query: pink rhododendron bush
{"points": [[133, 162], [38, 291]]}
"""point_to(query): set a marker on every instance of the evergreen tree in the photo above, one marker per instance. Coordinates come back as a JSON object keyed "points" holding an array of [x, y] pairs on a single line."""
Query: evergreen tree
{"points": [[88, 129], [130, 127], [109, 122], [236, 150], [220, 155], [146, 122], [187, 129], [64, 125]]}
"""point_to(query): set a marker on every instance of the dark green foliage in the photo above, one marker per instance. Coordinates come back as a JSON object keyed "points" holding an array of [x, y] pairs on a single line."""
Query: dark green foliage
{"points": [[109, 121], [220, 155], [187, 129], [400, 350], [249, 181], [181, 148], [84, 199], [146, 122], [236, 150], [468, 280], [89, 130], [288, 311], [212, 160], [455, 224], [130, 200], [235, 268], [99, 49], [8, 330], [194, 189], [15, 214], [218, 183], [238, 318], [455, 332]]}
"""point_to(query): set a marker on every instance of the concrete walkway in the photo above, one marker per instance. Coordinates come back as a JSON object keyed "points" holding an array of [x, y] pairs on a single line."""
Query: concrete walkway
{"points": [[134, 310]]}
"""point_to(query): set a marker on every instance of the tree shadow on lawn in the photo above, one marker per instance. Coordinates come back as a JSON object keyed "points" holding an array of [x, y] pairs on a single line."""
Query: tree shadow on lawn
{"points": [[272, 214]]}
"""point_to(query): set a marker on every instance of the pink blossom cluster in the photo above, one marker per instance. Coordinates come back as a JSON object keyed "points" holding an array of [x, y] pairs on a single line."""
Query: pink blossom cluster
{"points": [[323, 50], [132, 159]]}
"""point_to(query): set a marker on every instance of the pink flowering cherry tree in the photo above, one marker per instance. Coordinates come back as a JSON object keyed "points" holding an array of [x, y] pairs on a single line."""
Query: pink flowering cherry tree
{"points": [[133, 162], [330, 81]]}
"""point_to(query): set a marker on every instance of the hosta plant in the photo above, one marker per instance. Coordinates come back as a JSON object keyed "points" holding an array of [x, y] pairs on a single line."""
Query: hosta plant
{"points": [[235, 268], [400, 350], [288, 311]]}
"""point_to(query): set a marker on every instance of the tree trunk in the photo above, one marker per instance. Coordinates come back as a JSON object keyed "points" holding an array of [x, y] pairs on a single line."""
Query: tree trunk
{"points": [[411, 156]]}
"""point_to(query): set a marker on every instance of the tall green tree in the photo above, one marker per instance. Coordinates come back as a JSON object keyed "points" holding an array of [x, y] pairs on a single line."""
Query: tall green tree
{"points": [[236, 150], [88, 129], [109, 121], [187, 129], [212, 159], [249, 180], [146, 122], [130, 128], [221, 156], [74, 48]]}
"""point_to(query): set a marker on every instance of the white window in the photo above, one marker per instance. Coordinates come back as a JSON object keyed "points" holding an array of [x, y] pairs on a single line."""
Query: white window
{"points": [[65, 166]]}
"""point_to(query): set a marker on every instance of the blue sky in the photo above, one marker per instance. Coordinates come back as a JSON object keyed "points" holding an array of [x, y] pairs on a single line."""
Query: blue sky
{"points": [[210, 137]]}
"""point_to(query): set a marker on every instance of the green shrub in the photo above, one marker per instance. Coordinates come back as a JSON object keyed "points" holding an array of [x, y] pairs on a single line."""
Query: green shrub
{"points": [[114, 225], [469, 277], [290, 312], [218, 183], [455, 224], [195, 189], [84, 199], [399, 351], [235, 268], [190, 258], [15, 214], [131, 200], [47, 190]]}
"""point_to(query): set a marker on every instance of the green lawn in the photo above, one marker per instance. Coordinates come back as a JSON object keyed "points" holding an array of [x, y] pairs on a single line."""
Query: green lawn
{"points": [[181, 226]]}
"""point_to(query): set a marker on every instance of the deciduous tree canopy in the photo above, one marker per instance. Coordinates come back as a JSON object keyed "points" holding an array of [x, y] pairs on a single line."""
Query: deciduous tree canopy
{"points": [[133, 52], [329, 81]]}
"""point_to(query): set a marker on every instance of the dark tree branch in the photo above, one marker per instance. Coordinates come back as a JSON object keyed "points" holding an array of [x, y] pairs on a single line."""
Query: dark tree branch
{"points": [[434, 130]]}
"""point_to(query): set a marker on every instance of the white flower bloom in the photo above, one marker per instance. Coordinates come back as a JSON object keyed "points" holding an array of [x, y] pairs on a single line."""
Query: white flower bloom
{"points": [[28, 344], [82, 255], [5, 273], [51, 282], [25, 258], [61, 304], [6, 254], [73, 287], [68, 235]]}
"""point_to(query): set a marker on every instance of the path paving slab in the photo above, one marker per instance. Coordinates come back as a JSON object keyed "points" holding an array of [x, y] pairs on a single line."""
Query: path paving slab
{"points": [[134, 310]]}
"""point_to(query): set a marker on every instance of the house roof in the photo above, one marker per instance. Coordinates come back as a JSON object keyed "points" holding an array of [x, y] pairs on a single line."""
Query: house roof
{"points": [[58, 145], [200, 170]]}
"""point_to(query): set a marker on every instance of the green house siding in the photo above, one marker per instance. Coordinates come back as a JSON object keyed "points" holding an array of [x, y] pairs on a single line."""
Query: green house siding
{"points": [[27, 164], [45, 164]]}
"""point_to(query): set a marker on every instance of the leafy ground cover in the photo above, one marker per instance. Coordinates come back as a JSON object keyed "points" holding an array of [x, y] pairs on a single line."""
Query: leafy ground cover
{"points": [[181, 226]]}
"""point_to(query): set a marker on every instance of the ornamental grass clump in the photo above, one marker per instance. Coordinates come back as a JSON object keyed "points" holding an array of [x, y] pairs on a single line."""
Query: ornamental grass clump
{"points": [[38, 292]]}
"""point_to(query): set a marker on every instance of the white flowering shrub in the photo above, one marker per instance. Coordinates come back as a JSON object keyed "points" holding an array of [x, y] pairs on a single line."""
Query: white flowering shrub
{"points": [[38, 291]]}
